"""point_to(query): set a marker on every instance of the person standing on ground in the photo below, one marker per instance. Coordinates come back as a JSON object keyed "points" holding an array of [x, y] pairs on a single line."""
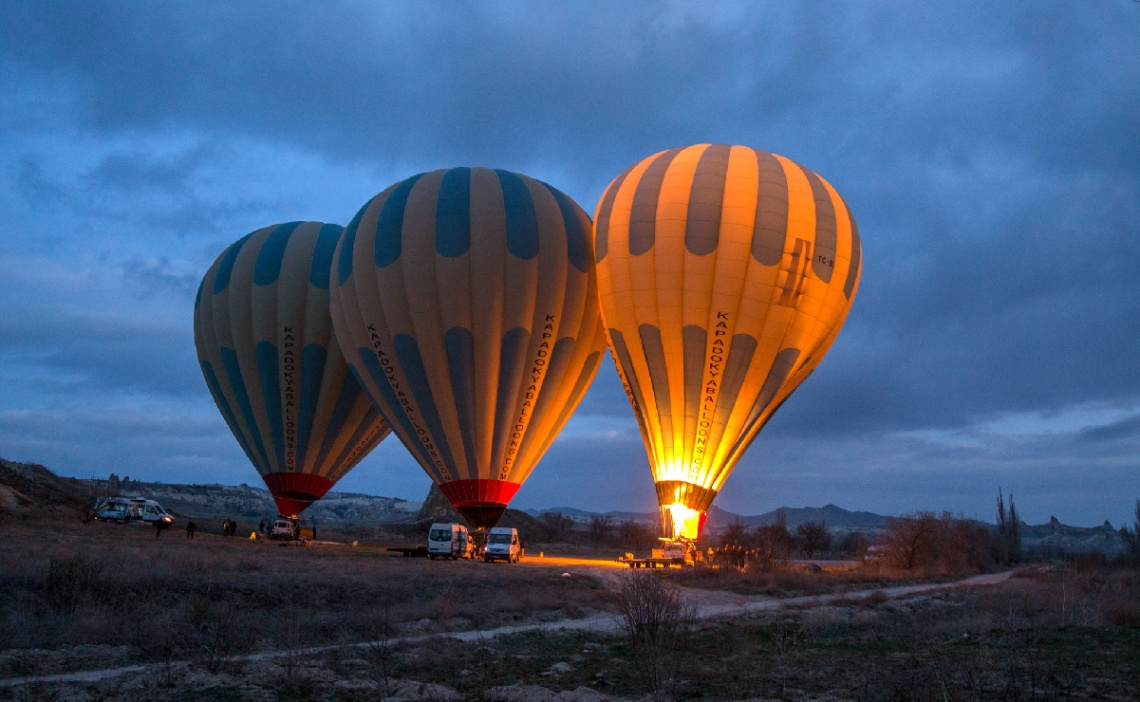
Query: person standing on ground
{"points": [[191, 527]]}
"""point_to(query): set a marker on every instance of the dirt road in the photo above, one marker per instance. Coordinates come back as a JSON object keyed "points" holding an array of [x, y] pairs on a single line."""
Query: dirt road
{"points": [[710, 604]]}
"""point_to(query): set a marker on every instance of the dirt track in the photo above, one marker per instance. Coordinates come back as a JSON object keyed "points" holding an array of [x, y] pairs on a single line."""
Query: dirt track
{"points": [[710, 604]]}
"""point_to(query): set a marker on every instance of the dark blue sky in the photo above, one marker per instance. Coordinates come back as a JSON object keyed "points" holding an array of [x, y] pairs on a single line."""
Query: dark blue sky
{"points": [[991, 155]]}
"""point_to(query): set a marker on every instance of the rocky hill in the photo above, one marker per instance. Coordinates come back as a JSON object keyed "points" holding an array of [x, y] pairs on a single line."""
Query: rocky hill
{"points": [[245, 502], [1058, 538], [30, 491]]}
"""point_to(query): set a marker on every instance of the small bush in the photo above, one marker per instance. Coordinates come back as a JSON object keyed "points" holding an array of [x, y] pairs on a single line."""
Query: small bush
{"points": [[69, 581]]}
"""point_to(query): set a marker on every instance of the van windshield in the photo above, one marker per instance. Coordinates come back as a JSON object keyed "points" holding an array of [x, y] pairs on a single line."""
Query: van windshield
{"points": [[500, 538], [439, 535]]}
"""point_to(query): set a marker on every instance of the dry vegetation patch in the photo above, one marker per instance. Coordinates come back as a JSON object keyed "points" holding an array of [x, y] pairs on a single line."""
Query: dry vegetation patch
{"points": [[210, 599], [96, 596]]}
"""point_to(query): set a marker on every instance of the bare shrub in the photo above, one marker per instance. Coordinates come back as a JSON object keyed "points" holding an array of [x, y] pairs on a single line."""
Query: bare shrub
{"points": [[378, 620], [658, 623], [69, 581]]}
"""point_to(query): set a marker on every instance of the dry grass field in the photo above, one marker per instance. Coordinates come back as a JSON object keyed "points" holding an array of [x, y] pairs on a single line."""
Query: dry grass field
{"points": [[231, 619]]}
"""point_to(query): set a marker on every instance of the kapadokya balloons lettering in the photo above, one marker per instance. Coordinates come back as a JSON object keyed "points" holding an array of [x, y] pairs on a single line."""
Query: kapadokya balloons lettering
{"points": [[466, 300], [266, 346], [725, 273]]}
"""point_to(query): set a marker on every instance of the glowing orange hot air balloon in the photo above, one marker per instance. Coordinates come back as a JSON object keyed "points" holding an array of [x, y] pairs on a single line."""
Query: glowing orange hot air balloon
{"points": [[265, 343], [725, 274], [466, 300]]}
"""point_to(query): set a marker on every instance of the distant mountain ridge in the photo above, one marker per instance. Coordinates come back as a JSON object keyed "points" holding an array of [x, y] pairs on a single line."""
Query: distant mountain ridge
{"points": [[718, 518]]}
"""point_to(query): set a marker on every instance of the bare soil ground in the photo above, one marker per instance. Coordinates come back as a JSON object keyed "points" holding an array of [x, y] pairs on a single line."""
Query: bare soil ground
{"points": [[215, 618]]}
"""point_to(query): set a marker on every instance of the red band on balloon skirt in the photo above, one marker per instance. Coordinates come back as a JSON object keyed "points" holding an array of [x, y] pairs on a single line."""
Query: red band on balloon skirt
{"points": [[293, 492], [479, 493]]}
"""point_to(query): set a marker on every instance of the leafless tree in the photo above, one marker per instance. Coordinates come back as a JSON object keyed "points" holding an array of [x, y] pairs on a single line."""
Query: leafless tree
{"points": [[734, 534], [773, 544], [634, 534], [600, 527], [556, 524], [813, 538], [910, 542]]}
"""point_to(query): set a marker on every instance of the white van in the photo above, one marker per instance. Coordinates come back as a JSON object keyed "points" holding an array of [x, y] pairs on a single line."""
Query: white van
{"points": [[503, 543], [131, 509], [449, 541]]}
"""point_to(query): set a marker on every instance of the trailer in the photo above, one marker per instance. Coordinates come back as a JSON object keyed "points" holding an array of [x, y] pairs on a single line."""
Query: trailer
{"points": [[410, 551], [656, 562], [671, 553]]}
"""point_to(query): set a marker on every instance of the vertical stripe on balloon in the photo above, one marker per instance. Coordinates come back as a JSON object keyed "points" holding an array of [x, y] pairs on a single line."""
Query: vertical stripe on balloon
{"points": [[643, 214], [312, 374], [521, 219], [271, 394], [267, 267], [390, 224], [460, 346], [771, 224], [706, 198], [453, 213], [602, 225]]}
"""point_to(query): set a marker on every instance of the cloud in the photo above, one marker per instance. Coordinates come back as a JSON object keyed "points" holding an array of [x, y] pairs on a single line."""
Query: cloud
{"points": [[991, 155], [1124, 430], [132, 192], [150, 443], [154, 276], [81, 356]]}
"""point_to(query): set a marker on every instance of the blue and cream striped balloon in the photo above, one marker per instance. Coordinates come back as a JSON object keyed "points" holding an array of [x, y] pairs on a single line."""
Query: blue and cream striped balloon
{"points": [[270, 358], [467, 301]]}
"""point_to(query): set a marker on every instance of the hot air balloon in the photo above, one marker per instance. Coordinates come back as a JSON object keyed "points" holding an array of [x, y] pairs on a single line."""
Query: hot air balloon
{"points": [[466, 301], [267, 351], [724, 273]]}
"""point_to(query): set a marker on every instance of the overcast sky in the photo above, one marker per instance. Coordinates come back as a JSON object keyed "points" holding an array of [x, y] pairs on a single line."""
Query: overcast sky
{"points": [[989, 151]]}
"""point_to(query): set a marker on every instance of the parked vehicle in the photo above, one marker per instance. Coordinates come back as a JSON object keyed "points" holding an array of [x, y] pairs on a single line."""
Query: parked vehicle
{"points": [[449, 541], [503, 544], [125, 510], [290, 529]]}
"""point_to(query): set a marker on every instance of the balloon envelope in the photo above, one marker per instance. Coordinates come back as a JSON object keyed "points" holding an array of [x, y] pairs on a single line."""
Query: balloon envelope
{"points": [[266, 347], [466, 299], [725, 273]]}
